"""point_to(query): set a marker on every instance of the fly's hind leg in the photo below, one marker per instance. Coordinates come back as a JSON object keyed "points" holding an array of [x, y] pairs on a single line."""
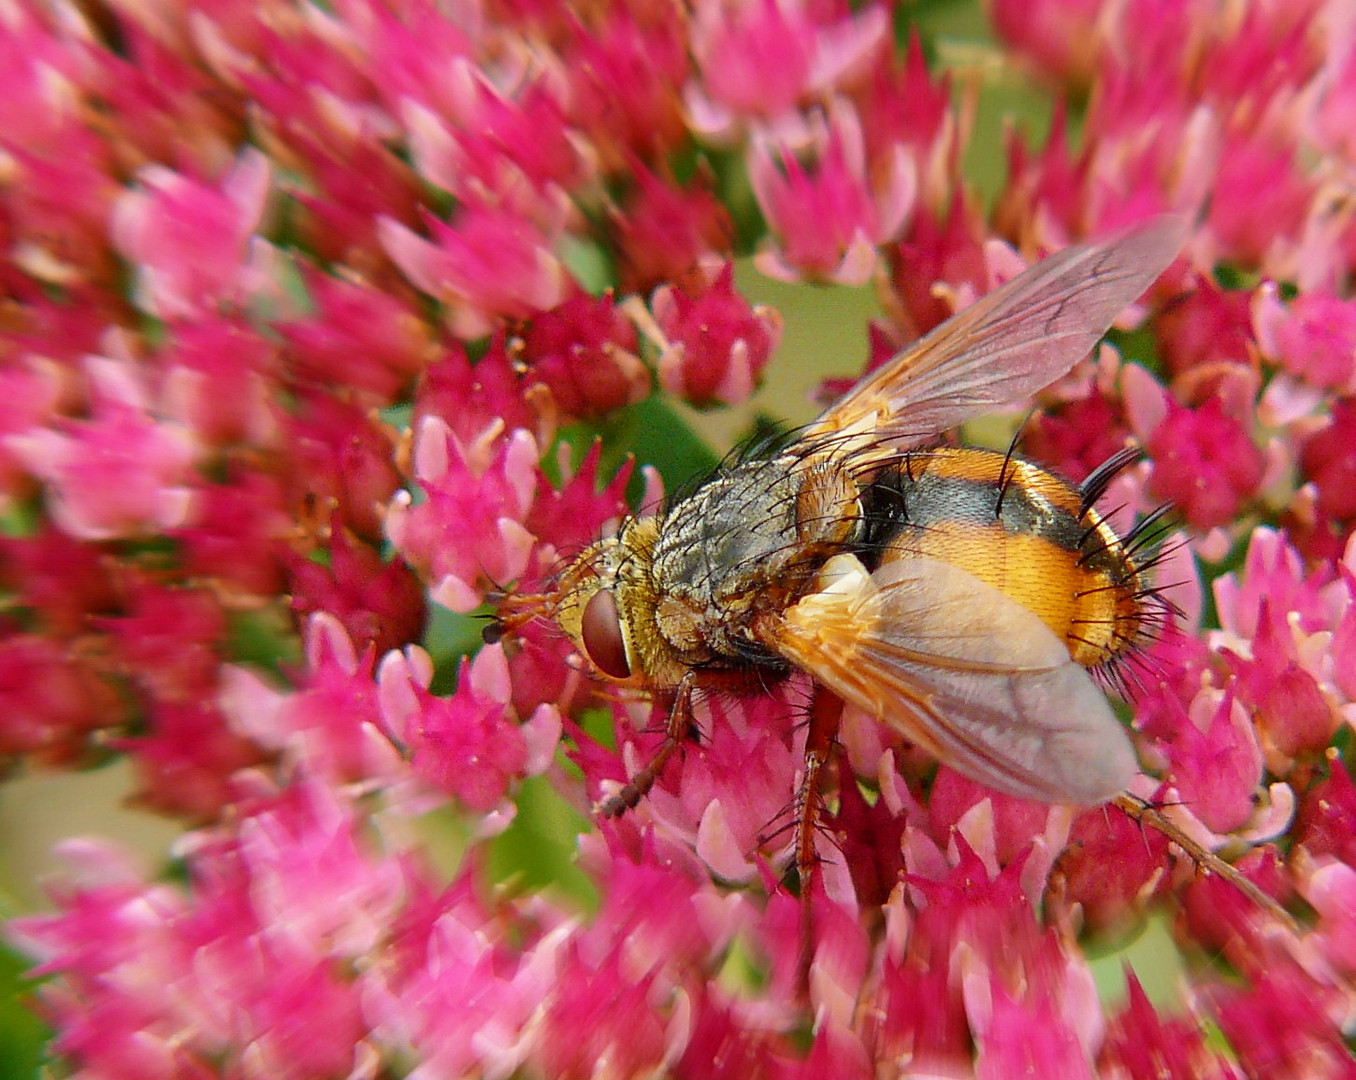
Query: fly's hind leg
{"points": [[826, 710], [677, 730], [1146, 813]]}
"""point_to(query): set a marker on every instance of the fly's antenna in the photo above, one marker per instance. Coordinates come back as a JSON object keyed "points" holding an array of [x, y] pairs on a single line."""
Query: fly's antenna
{"points": [[513, 611]]}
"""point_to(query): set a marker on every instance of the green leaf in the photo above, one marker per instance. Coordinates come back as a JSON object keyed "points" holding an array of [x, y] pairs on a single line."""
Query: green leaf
{"points": [[537, 852], [22, 1035]]}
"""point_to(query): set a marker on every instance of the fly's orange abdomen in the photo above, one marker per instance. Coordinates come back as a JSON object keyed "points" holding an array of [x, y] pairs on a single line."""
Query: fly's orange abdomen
{"points": [[1020, 529]]}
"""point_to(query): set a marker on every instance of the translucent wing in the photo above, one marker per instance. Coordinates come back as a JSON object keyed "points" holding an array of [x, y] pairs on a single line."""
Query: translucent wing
{"points": [[1004, 347], [963, 671]]}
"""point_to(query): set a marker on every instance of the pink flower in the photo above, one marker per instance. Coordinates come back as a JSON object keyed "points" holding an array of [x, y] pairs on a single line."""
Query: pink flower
{"points": [[932, 252], [1331, 121], [1208, 325], [1078, 436], [666, 230], [584, 351], [1145, 1045], [1331, 890], [495, 143], [488, 264], [1012, 825], [170, 639], [1288, 705], [470, 399], [714, 343], [420, 54], [1272, 572], [758, 60], [974, 938], [1260, 194], [1060, 37], [468, 533], [626, 76], [582, 508], [453, 990], [360, 336], [467, 744], [50, 700], [61, 204], [1326, 460], [1325, 823], [1205, 463], [725, 794], [330, 723], [61, 581], [1313, 338], [1017, 1037], [829, 218], [358, 185], [236, 539], [1284, 1024], [904, 105], [1216, 763], [380, 603], [185, 758], [1111, 870], [190, 240], [121, 472], [29, 397], [341, 461], [217, 383]]}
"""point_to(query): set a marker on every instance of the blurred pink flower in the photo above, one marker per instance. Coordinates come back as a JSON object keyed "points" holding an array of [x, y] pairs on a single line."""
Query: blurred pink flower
{"points": [[1205, 463], [50, 699], [360, 336], [1313, 338], [120, 473], [191, 241], [830, 217], [626, 74], [757, 60], [217, 383], [666, 231], [1059, 36], [488, 264]]}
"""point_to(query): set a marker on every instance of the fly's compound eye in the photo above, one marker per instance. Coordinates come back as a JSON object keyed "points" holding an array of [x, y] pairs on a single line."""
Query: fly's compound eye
{"points": [[600, 630]]}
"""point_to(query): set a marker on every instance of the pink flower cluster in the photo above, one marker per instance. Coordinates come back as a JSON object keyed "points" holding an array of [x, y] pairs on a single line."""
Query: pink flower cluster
{"points": [[310, 316]]}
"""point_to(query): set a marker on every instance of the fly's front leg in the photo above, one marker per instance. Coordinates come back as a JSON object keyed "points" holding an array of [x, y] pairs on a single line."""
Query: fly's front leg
{"points": [[676, 731]]}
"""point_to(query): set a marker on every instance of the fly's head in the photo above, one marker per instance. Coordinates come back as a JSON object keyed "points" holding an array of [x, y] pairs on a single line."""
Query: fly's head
{"points": [[605, 603]]}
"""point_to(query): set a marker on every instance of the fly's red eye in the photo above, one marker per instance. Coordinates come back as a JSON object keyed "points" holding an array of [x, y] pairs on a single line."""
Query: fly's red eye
{"points": [[600, 629]]}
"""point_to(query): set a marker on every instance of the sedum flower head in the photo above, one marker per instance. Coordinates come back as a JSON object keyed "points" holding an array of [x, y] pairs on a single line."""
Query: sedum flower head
{"points": [[326, 328]]}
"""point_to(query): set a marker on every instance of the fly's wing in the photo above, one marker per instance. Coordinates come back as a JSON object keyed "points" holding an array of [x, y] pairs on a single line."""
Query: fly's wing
{"points": [[963, 671], [1004, 347]]}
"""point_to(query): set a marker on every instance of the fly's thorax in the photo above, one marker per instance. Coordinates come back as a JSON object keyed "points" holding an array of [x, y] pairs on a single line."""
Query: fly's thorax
{"points": [[751, 539], [1018, 528]]}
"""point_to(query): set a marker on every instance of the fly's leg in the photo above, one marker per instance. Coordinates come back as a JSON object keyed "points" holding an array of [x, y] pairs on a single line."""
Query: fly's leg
{"points": [[826, 710], [1145, 813], [676, 731]]}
